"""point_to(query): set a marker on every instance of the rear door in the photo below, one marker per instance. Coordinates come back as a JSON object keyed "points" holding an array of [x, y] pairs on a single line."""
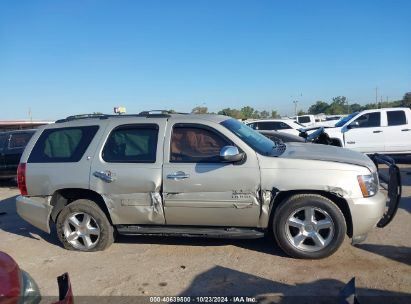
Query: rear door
{"points": [[201, 190], [127, 171], [397, 132], [368, 135]]}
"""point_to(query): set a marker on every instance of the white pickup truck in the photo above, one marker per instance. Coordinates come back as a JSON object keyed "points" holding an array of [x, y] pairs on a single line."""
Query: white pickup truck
{"points": [[386, 131]]}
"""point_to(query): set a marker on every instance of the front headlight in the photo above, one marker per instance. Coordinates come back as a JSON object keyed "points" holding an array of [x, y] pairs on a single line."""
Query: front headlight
{"points": [[368, 184]]}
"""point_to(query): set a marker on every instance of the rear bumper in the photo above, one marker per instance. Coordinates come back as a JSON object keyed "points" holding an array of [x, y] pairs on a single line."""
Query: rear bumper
{"points": [[366, 213], [35, 210]]}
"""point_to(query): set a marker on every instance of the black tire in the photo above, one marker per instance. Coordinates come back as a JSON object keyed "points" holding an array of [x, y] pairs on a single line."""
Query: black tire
{"points": [[98, 219], [286, 235]]}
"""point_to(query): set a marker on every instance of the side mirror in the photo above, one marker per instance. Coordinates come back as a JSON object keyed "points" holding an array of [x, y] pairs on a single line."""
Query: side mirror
{"points": [[230, 154], [354, 124]]}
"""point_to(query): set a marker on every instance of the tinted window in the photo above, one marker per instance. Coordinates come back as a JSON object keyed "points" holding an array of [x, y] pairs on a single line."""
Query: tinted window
{"points": [[254, 139], [194, 144], [304, 119], [3, 138], [19, 140], [369, 120], [62, 145], [396, 118], [132, 144], [272, 125], [252, 125]]}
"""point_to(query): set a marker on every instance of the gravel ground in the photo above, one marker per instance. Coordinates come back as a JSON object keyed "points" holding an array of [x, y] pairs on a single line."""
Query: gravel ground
{"points": [[154, 266]]}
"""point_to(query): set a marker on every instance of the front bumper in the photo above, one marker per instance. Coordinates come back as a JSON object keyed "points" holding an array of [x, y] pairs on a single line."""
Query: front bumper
{"points": [[35, 210], [365, 214]]}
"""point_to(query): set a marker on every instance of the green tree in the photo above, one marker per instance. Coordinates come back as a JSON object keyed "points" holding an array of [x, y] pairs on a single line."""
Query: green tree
{"points": [[247, 112], [232, 113], [199, 110], [338, 106], [264, 114], [274, 114], [318, 107], [406, 100], [355, 107], [301, 112]]}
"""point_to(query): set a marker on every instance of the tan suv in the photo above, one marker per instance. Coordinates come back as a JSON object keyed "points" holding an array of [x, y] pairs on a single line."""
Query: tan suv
{"points": [[193, 175]]}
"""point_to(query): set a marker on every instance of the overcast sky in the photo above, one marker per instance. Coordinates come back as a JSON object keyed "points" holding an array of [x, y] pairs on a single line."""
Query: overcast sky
{"points": [[68, 57]]}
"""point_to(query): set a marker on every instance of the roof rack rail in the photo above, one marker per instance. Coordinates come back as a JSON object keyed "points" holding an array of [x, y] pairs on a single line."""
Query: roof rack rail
{"points": [[151, 113], [81, 116]]}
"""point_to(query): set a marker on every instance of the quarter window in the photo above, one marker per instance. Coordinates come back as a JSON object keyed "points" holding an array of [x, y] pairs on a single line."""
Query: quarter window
{"points": [[62, 144], [132, 144], [3, 139], [19, 140], [369, 120], [396, 118], [195, 144], [272, 125]]}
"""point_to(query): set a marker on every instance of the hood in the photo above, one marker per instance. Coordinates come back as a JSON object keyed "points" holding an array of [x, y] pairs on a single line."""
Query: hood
{"points": [[327, 153]]}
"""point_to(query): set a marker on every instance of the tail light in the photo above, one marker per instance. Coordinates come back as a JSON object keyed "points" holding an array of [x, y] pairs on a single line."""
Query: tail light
{"points": [[21, 178]]}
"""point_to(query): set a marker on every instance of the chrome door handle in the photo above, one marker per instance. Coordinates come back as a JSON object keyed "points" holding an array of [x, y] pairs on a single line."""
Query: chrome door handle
{"points": [[178, 175], [405, 130], [104, 175], [379, 131]]}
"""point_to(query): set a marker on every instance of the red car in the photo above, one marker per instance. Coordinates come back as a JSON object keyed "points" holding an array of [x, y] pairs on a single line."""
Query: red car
{"points": [[17, 286]]}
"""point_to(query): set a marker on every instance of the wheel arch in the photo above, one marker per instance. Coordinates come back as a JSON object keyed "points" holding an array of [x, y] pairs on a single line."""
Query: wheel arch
{"points": [[338, 200], [64, 197]]}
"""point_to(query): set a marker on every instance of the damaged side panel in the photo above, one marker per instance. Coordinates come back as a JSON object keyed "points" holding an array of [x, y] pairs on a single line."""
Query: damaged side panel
{"points": [[131, 190], [140, 208]]}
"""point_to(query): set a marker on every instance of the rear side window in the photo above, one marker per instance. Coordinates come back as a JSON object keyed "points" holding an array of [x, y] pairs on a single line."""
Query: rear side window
{"points": [[62, 145], [19, 140], [273, 125], [3, 138], [396, 118], [132, 144], [304, 119]]}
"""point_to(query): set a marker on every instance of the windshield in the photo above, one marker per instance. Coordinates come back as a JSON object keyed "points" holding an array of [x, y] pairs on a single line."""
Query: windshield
{"points": [[255, 140], [343, 120]]}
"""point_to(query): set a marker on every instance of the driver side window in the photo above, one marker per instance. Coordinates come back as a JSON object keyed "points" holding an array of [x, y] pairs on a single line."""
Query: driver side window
{"points": [[196, 144], [369, 120]]}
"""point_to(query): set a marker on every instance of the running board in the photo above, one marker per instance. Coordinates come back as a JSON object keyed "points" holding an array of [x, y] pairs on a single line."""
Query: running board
{"points": [[190, 231]]}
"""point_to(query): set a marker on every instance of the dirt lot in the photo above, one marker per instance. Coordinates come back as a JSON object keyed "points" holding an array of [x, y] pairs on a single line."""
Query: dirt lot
{"points": [[177, 266]]}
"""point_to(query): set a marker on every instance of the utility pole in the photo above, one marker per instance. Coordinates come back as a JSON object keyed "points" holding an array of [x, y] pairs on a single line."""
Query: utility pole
{"points": [[376, 95], [295, 107]]}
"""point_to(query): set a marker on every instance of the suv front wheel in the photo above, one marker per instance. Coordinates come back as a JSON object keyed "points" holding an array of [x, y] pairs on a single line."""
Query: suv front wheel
{"points": [[82, 225], [309, 226]]}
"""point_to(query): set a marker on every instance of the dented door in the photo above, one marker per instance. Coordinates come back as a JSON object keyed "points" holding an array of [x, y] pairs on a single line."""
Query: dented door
{"points": [[127, 172], [198, 188]]}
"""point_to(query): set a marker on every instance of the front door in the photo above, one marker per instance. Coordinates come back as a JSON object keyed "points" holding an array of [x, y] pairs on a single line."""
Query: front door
{"points": [[200, 189], [365, 134]]}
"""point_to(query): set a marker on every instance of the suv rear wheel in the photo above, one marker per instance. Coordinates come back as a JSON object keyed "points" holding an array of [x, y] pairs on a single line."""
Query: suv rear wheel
{"points": [[309, 226], [82, 225]]}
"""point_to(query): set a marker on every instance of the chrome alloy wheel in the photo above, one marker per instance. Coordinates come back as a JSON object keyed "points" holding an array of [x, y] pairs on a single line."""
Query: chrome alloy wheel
{"points": [[81, 231], [309, 229]]}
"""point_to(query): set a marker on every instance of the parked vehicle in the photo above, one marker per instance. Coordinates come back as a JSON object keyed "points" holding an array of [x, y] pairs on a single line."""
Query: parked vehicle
{"points": [[193, 175], [307, 120], [281, 137], [12, 145], [386, 131], [284, 125], [17, 286]]}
